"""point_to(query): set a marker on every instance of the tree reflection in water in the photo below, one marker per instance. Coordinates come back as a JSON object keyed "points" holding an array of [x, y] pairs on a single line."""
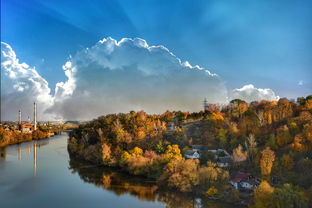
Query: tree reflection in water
{"points": [[120, 183], [2, 153]]}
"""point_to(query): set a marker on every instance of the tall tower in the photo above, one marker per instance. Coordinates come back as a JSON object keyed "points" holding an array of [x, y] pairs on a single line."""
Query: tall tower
{"points": [[206, 106], [35, 116], [19, 117]]}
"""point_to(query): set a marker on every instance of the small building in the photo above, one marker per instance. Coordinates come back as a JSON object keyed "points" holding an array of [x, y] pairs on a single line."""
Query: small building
{"points": [[198, 148], [223, 162], [243, 181], [249, 185], [191, 154], [26, 127]]}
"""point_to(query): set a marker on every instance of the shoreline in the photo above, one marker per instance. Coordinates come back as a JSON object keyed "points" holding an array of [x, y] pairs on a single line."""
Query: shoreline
{"points": [[28, 138], [195, 193]]}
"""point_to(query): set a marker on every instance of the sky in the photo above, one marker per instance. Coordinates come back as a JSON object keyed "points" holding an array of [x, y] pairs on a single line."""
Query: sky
{"points": [[262, 47]]}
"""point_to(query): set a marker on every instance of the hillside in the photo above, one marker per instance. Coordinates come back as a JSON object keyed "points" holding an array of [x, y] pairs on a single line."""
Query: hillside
{"points": [[269, 140]]}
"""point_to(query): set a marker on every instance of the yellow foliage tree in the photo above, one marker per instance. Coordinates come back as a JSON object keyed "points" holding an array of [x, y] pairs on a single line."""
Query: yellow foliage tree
{"points": [[125, 156], [212, 191], [106, 152], [173, 152], [263, 195], [135, 152], [140, 133], [217, 116], [239, 154], [266, 162]]}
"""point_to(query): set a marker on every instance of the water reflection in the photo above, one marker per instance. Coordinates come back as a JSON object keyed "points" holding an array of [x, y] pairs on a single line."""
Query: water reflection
{"points": [[2, 153], [48, 161], [35, 158], [144, 189], [26, 147]]}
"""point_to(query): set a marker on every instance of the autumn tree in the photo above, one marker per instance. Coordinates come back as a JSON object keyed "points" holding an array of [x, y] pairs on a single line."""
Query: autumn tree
{"points": [[263, 195], [212, 191], [266, 161], [211, 175], [122, 136], [136, 151], [106, 153], [251, 146], [181, 174], [173, 152], [239, 154], [238, 107], [307, 132], [283, 136]]}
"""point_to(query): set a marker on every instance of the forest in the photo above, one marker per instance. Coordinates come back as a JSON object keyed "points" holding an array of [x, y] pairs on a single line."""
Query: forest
{"points": [[271, 140]]}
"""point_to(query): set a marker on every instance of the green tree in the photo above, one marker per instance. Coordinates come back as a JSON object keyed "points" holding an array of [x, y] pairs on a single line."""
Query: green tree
{"points": [[287, 162], [160, 147], [288, 196]]}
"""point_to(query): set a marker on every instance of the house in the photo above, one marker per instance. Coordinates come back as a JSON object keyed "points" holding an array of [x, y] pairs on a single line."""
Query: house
{"points": [[198, 148], [243, 181], [191, 154], [223, 162], [249, 185], [27, 127], [194, 153], [222, 155]]}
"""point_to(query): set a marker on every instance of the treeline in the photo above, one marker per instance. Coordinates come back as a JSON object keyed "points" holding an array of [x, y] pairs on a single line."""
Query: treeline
{"points": [[140, 144], [15, 137], [270, 139]]}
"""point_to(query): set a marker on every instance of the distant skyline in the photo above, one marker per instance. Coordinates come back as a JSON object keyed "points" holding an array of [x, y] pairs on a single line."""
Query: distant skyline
{"points": [[258, 49]]}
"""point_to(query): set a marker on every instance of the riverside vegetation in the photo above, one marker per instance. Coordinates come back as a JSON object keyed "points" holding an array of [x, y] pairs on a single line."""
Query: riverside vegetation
{"points": [[15, 137], [269, 139], [11, 135]]}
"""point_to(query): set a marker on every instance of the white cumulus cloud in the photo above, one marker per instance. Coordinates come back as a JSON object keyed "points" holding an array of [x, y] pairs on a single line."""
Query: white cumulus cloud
{"points": [[21, 85], [250, 93], [118, 76]]}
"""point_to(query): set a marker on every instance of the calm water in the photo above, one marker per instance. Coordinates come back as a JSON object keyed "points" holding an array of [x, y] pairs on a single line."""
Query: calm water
{"points": [[41, 174]]}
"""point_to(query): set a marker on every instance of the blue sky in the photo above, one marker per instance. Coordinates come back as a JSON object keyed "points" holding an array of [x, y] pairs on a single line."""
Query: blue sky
{"points": [[265, 43]]}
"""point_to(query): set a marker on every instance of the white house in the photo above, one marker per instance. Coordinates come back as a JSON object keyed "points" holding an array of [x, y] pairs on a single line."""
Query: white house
{"points": [[247, 184], [191, 154], [243, 181]]}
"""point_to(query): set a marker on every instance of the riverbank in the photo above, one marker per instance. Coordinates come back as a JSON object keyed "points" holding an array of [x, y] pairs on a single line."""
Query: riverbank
{"points": [[17, 137], [120, 182], [53, 179]]}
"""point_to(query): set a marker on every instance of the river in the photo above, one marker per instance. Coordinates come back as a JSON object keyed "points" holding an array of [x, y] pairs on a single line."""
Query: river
{"points": [[41, 174]]}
